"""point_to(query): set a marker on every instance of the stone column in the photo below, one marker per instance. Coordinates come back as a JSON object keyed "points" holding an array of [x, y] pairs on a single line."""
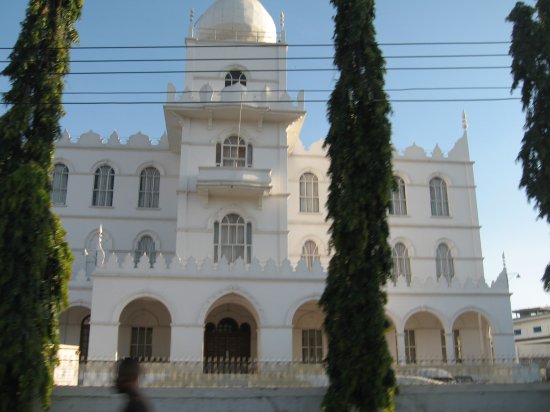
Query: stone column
{"points": [[103, 341], [450, 347], [401, 358], [275, 343], [186, 343]]}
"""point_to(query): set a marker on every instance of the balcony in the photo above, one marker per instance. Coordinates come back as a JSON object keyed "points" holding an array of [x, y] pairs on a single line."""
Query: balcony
{"points": [[234, 182]]}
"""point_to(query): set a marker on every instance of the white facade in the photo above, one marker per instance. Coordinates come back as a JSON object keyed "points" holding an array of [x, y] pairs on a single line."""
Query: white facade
{"points": [[229, 208]]}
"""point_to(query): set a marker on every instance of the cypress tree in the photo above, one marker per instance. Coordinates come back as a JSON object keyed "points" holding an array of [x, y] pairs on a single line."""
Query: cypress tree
{"points": [[359, 147], [530, 52], [34, 257]]}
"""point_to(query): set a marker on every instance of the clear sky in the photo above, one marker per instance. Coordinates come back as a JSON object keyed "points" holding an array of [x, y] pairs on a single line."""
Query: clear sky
{"points": [[495, 127]]}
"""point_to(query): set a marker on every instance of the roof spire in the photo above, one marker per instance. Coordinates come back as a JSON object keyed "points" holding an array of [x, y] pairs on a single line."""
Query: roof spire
{"points": [[464, 121], [191, 22]]}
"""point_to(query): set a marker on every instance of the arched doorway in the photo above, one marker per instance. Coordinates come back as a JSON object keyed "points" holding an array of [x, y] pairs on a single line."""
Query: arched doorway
{"points": [[472, 338], [230, 336], [309, 343], [74, 329], [144, 332], [425, 341]]}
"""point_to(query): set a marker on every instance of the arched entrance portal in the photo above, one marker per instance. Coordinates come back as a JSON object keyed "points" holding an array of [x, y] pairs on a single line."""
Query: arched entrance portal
{"points": [[472, 338], [144, 332], [308, 339], [230, 336], [425, 341], [74, 329]]}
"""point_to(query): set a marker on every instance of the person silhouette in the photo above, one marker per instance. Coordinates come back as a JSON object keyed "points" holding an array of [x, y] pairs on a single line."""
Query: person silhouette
{"points": [[127, 382]]}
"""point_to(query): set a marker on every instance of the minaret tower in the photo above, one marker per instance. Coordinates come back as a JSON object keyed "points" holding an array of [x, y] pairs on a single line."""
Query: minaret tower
{"points": [[233, 127]]}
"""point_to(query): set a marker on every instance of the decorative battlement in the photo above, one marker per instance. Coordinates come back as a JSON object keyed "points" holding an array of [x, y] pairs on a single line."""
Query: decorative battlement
{"points": [[173, 267], [92, 139]]}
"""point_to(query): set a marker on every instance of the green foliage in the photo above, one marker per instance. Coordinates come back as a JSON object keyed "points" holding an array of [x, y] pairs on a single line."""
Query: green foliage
{"points": [[530, 52], [35, 259], [359, 148]]}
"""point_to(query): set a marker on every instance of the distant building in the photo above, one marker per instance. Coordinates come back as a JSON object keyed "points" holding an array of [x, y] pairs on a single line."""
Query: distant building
{"points": [[214, 243], [532, 332]]}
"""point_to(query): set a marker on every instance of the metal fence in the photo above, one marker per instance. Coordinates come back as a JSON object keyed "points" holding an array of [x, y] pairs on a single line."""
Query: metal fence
{"points": [[249, 373]]}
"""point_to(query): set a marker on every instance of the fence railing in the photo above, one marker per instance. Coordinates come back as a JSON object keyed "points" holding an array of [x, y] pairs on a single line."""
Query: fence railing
{"points": [[245, 372]]}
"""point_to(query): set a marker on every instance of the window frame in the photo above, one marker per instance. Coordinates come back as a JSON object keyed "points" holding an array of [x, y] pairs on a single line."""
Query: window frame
{"points": [[237, 154], [141, 348], [439, 198], [398, 205], [104, 183], [401, 262], [444, 262], [149, 188], [410, 346], [145, 245], [312, 346], [310, 253], [60, 182], [234, 77], [234, 234], [309, 193]]}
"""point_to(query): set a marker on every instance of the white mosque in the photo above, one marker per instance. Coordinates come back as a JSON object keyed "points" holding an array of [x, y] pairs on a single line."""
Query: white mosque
{"points": [[212, 243]]}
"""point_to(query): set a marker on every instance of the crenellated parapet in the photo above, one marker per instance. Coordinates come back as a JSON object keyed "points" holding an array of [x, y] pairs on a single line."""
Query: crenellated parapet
{"points": [[92, 139], [172, 267]]}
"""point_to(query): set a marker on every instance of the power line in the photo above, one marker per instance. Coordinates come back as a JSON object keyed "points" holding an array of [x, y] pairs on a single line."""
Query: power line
{"points": [[390, 90], [263, 45], [313, 69], [238, 102], [291, 58]]}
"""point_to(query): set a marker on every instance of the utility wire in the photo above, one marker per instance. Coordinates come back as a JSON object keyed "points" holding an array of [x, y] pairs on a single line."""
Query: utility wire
{"points": [[391, 90], [313, 69], [261, 45], [221, 104], [169, 60]]}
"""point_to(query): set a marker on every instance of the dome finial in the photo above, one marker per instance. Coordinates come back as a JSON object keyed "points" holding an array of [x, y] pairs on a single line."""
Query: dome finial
{"points": [[464, 121], [191, 22], [283, 36]]}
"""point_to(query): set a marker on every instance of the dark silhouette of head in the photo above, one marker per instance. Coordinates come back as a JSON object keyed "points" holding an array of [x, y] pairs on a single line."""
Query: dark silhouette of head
{"points": [[127, 376]]}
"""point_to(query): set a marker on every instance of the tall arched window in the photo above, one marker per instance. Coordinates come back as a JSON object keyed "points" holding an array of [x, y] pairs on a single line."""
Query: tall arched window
{"points": [[233, 239], [234, 153], [401, 263], [60, 179], [309, 193], [398, 204], [444, 262], [149, 187], [235, 76], [310, 253], [104, 182], [146, 245], [438, 197]]}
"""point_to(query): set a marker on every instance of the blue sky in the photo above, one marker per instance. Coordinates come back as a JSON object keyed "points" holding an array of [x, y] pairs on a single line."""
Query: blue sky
{"points": [[495, 128]]}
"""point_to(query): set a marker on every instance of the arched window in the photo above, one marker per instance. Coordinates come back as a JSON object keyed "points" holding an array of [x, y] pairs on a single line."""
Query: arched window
{"points": [[438, 197], [104, 182], [235, 76], [233, 239], [234, 153], [309, 193], [60, 178], [444, 262], [149, 187], [398, 204], [310, 253], [401, 263], [146, 245]]}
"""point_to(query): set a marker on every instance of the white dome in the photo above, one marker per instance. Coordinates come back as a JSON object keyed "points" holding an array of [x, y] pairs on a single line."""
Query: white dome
{"points": [[240, 20]]}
